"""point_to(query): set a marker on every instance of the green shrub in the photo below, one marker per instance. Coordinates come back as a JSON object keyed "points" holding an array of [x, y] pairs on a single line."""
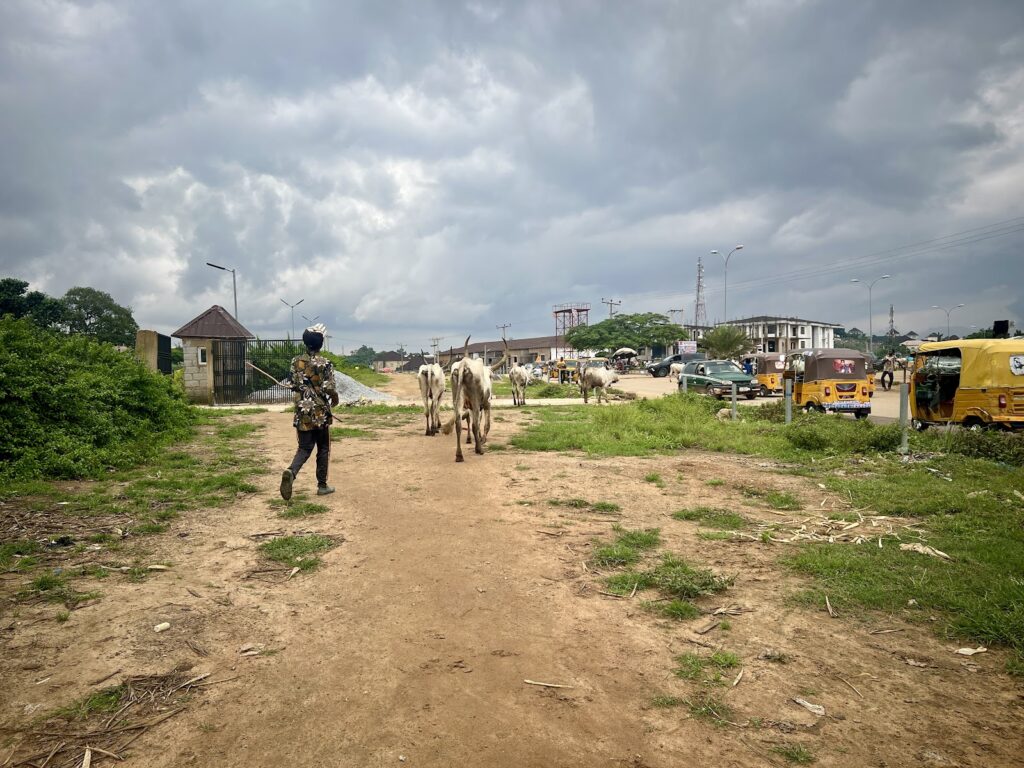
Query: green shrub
{"points": [[828, 434], [71, 407], [1003, 447]]}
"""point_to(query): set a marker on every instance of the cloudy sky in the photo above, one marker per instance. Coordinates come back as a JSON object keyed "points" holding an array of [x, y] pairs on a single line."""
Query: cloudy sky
{"points": [[417, 169]]}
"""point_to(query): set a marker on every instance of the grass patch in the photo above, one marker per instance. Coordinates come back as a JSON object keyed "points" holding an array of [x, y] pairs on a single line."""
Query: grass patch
{"points": [[722, 519], [301, 509], [705, 706], [646, 538], [106, 701], [672, 577], [714, 482], [627, 547], [714, 535], [795, 753], [654, 479], [781, 500], [571, 503], [296, 551], [678, 610], [12, 554], [605, 507], [340, 433]]}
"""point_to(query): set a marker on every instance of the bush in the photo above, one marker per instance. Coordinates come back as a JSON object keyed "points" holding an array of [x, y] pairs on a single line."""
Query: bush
{"points": [[1002, 447], [71, 407], [829, 434]]}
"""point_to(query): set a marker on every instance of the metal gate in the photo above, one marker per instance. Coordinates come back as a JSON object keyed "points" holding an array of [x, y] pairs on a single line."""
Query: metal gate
{"points": [[268, 364], [163, 354], [229, 371], [253, 370]]}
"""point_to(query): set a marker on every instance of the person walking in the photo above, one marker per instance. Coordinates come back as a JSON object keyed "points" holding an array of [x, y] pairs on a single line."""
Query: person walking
{"points": [[312, 381], [888, 367]]}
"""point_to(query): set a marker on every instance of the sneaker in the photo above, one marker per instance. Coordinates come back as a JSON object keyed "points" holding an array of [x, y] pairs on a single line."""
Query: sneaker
{"points": [[323, 490], [286, 484]]}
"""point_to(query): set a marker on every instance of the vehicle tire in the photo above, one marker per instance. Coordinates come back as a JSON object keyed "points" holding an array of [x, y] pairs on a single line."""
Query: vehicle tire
{"points": [[975, 425], [859, 415], [764, 391], [810, 408], [708, 392], [661, 373], [750, 395], [918, 425]]}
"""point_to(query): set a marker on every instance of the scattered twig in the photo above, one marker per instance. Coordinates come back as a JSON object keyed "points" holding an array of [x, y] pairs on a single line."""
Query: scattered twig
{"points": [[883, 631], [196, 679], [546, 685], [738, 678], [215, 682], [633, 593], [197, 648], [87, 758], [851, 686], [105, 677], [193, 592], [828, 605], [549, 533], [611, 594], [53, 752], [707, 627]]}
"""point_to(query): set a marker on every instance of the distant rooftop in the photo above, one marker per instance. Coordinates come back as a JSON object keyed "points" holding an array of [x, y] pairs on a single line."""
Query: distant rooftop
{"points": [[776, 319]]}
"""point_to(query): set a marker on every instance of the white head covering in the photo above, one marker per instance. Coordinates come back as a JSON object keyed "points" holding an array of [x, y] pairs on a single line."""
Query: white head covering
{"points": [[318, 328]]}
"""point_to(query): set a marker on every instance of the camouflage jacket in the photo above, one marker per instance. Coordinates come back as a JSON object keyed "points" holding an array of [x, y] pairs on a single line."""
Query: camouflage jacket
{"points": [[312, 378]]}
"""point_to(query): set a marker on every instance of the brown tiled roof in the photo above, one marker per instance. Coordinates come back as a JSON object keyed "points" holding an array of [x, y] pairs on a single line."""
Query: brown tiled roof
{"points": [[514, 345], [214, 323]]}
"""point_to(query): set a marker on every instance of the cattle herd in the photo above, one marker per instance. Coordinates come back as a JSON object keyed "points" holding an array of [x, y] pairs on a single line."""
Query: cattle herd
{"points": [[472, 392]]}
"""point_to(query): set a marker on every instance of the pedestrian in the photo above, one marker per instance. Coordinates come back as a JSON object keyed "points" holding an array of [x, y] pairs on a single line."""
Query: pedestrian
{"points": [[888, 366], [312, 381]]}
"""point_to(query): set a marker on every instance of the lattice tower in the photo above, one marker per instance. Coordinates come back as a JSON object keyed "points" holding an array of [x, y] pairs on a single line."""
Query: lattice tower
{"points": [[700, 311]]}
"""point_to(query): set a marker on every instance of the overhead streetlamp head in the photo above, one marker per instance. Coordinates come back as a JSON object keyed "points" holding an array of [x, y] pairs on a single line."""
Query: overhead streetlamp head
{"points": [[854, 279], [738, 248], [885, 277], [958, 306], [936, 306], [217, 266], [285, 303], [715, 252]]}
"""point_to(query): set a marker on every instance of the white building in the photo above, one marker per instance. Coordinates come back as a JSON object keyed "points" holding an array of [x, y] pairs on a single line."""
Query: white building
{"points": [[785, 334]]}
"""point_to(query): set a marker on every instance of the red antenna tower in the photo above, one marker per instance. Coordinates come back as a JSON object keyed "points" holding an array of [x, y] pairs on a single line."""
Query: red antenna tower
{"points": [[567, 317]]}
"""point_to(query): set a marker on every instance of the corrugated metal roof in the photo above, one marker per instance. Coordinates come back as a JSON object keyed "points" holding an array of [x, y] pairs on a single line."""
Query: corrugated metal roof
{"points": [[214, 323]]}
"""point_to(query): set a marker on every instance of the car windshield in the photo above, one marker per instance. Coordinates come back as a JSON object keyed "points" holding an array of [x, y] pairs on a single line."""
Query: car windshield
{"points": [[720, 368]]}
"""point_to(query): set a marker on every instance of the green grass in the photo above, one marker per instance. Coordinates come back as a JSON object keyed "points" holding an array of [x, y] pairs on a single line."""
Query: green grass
{"points": [[714, 482], [679, 610], [296, 551], [795, 753], [780, 500], [976, 519], [104, 702], [646, 427], [705, 706], [605, 507], [339, 433], [654, 479], [721, 519], [63, 616], [600, 507], [301, 509], [571, 503], [13, 554], [706, 669], [715, 535], [672, 577], [647, 538], [627, 547], [377, 409]]}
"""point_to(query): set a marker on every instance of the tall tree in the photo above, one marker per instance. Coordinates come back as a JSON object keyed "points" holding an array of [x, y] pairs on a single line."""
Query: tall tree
{"points": [[95, 313], [726, 342], [646, 329], [362, 356], [17, 300]]}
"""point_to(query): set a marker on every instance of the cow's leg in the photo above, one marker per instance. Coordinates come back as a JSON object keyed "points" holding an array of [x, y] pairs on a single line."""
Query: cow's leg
{"points": [[478, 443]]}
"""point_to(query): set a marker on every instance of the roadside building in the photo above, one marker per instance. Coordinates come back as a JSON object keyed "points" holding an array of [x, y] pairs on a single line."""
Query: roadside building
{"points": [[386, 362], [786, 334], [214, 345]]}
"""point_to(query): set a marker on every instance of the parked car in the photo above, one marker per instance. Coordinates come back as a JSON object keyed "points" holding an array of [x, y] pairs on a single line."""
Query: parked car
{"points": [[660, 368], [715, 378]]}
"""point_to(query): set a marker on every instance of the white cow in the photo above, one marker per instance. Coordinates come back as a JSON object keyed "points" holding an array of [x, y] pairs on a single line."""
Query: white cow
{"points": [[675, 369], [471, 396], [432, 385], [597, 379]]}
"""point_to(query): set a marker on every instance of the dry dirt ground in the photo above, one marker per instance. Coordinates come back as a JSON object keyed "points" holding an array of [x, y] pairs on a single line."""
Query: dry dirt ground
{"points": [[456, 583]]}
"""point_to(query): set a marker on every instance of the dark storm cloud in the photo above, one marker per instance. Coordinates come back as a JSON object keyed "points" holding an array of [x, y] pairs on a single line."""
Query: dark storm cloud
{"points": [[414, 169]]}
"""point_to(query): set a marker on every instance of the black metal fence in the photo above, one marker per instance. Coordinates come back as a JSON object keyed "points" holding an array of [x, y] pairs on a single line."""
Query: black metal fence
{"points": [[252, 370]]}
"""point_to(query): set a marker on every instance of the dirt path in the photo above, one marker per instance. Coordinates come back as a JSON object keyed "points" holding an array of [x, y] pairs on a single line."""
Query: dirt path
{"points": [[411, 644]]}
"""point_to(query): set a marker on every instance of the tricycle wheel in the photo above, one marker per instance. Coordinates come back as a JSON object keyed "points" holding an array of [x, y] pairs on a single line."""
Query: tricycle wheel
{"points": [[860, 415]]}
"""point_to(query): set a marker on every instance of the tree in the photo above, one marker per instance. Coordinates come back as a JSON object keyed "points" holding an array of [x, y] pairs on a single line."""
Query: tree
{"points": [[95, 313], [647, 329], [17, 300], [726, 342], [362, 356]]}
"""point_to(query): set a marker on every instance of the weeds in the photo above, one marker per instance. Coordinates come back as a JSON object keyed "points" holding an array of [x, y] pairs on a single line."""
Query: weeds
{"points": [[302, 509], [654, 479], [105, 701], [666, 702], [340, 433], [680, 610], [297, 551], [605, 507], [708, 707], [713, 518], [795, 753]]}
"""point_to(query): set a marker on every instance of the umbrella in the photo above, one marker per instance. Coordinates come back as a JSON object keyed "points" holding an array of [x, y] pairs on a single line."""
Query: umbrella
{"points": [[624, 352]]}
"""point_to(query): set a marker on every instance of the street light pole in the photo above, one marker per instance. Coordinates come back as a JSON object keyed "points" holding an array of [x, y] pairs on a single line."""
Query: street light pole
{"points": [[234, 287], [293, 306], [947, 311], [725, 309], [871, 330]]}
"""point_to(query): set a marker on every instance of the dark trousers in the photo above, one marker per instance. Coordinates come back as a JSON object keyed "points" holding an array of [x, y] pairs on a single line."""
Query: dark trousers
{"points": [[321, 438], [884, 384]]}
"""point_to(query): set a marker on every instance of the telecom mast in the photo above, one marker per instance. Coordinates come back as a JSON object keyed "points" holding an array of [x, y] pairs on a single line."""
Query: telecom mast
{"points": [[700, 312]]}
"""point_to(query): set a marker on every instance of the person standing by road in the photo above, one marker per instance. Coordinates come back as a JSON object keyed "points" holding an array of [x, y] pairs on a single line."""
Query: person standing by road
{"points": [[312, 381], [888, 367]]}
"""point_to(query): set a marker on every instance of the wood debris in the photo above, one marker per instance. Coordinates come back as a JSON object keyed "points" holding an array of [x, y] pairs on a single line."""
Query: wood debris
{"points": [[546, 685], [816, 709], [971, 651], [707, 627], [924, 549]]}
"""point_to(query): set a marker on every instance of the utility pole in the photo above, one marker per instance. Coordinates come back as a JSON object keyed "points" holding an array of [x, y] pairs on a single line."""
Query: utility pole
{"points": [[672, 315], [502, 329], [700, 312], [435, 342], [612, 304]]}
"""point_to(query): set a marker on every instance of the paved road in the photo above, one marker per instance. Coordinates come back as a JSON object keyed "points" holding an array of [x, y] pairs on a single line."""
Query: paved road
{"points": [[885, 406]]}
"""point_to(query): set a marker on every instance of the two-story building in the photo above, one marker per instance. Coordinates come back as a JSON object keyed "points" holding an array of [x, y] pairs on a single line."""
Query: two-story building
{"points": [[785, 334]]}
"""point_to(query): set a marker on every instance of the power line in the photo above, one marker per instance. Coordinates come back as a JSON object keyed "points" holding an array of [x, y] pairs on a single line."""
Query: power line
{"points": [[502, 328]]}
